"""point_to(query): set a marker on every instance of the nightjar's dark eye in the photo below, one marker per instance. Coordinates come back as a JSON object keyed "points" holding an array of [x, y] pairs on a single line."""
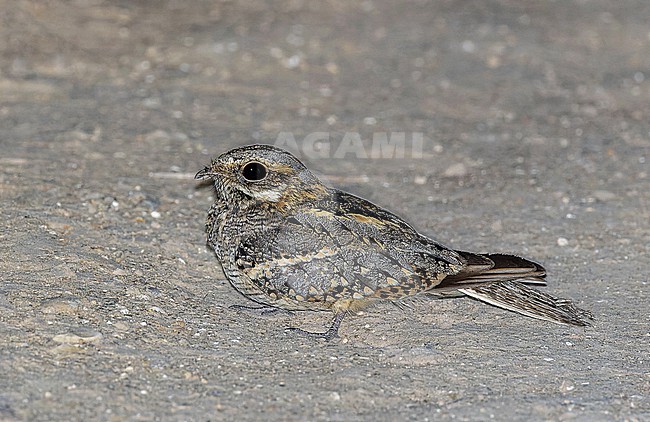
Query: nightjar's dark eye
{"points": [[254, 171]]}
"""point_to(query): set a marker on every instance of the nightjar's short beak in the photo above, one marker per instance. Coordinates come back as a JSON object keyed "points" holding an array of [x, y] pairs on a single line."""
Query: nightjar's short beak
{"points": [[206, 173]]}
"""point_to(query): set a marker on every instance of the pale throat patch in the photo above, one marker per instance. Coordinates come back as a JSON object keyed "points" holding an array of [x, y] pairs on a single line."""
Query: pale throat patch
{"points": [[267, 195]]}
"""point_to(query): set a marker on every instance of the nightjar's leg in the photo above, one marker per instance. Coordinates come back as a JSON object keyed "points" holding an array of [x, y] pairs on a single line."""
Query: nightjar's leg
{"points": [[260, 310], [331, 332]]}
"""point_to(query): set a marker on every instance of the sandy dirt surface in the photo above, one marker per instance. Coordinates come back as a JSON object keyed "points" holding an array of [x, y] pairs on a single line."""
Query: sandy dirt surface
{"points": [[536, 141]]}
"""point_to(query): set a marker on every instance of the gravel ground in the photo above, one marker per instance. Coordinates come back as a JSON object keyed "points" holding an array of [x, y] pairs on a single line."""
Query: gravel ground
{"points": [[534, 120]]}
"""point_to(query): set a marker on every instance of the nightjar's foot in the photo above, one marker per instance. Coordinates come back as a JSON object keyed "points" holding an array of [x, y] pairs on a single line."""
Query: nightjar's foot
{"points": [[261, 310], [331, 332]]}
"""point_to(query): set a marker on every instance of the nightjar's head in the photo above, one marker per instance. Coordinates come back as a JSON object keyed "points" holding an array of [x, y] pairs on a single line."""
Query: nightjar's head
{"points": [[262, 173]]}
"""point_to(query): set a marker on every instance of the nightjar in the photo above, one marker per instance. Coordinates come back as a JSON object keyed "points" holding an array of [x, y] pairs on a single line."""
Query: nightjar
{"points": [[285, 240]]}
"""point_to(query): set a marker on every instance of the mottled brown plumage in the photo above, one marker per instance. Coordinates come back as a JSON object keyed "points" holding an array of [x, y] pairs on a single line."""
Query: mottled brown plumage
{"points": [[285, 240]]}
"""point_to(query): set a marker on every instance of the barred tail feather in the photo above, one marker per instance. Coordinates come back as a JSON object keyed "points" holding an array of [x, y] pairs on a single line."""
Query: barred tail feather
{"points": [[517, 297], [502, 280]]}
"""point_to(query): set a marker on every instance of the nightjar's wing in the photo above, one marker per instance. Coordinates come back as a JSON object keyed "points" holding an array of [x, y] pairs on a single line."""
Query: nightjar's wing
{"points": [[340, 250], [481, 269]]}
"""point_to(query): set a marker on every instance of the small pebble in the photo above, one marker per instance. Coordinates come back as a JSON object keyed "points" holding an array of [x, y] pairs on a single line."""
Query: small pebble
{"points": [[562, 241], [60, 306], [335, 396], [456, 170], [78, 336], [420, 180]]}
